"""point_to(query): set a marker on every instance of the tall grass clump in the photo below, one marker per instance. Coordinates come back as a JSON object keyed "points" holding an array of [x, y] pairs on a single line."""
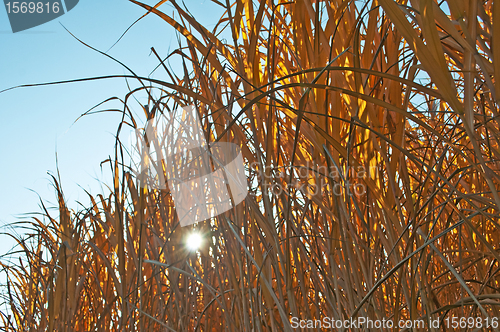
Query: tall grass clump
{"points": [[371, 133]]}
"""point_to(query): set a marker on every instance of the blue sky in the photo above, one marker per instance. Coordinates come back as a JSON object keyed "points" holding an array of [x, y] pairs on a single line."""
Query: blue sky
{"points": [[37, 122]]}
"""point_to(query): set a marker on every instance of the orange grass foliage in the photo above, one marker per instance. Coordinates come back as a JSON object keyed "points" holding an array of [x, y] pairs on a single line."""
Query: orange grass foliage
{"points": [[314, 92]]}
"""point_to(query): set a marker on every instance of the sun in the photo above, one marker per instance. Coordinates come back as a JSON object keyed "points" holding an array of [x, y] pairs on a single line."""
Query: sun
{"points": [[193, 242]]}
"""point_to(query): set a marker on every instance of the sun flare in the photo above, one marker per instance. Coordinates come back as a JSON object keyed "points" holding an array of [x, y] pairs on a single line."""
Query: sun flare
{"points": [[193, 242]]}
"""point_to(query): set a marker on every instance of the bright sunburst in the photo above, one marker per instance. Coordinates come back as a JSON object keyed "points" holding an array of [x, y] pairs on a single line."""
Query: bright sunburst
{"points": [[193, 241]]}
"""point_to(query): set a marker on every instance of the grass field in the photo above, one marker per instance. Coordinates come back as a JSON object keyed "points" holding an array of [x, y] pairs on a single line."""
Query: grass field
{"points": [[370, 132]]}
